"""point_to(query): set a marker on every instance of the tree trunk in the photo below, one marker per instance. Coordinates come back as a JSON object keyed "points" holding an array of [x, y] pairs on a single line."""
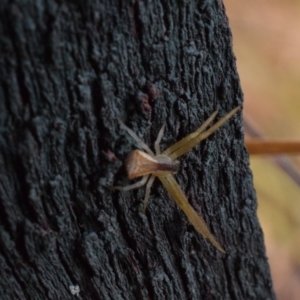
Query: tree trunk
{"points": [[69, 69]]}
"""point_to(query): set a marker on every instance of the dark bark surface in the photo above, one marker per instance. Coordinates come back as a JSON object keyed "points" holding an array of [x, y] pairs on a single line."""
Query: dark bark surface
{"points": [[68, 70]]}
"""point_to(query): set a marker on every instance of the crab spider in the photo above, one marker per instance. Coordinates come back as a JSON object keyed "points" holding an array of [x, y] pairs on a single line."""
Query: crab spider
{"points": [[163, 165]]}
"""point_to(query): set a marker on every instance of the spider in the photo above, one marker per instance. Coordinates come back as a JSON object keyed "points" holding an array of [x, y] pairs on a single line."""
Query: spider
{"points": [[163, 164]]}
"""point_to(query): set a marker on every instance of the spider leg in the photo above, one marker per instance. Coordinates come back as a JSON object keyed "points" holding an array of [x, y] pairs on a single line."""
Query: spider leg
{"points": [[171, 185], [158, 139], [147, 194], [191, 136], [136, 138], [132, 186], [192, 142]]}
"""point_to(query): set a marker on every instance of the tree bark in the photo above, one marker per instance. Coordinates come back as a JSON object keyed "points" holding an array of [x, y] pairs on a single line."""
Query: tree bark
{"points": [[69, 69]]}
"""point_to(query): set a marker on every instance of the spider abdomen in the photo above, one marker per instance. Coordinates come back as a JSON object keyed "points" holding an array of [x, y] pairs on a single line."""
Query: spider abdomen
{"points": [[139, 163]]}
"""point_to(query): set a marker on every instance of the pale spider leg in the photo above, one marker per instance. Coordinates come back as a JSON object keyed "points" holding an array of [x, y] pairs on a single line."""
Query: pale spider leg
{"points": [[136, 138], [158, 140], [192, 143], [134, 185], [194, 134], [177, 194], [147, 194]]}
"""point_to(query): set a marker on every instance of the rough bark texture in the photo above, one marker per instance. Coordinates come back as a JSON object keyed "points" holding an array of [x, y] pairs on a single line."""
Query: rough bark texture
{"points": [[68, 70]]}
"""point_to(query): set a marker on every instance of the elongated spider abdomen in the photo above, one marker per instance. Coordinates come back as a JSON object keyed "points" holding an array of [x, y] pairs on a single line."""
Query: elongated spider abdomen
{"points": [[139, 163]]}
